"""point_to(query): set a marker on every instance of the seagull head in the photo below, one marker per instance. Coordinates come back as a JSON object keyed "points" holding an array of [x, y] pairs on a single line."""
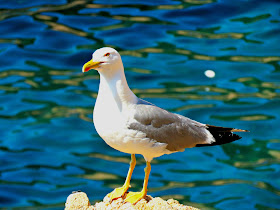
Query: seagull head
{"points": [[105, 59]]}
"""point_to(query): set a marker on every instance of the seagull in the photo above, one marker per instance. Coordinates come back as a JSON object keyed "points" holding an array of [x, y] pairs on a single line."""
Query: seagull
{"points": [[132, 125]]}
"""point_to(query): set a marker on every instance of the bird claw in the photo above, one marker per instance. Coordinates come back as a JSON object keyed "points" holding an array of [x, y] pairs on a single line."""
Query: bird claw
{"points": [[134, 197], [117, 193]]}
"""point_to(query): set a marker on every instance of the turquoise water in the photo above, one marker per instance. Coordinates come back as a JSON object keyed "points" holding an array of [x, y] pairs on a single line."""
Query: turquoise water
{"points": [[48, 144]]}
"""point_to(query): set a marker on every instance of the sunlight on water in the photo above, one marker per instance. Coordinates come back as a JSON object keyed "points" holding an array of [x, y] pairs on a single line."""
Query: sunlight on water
{"points": [[48, 144]]}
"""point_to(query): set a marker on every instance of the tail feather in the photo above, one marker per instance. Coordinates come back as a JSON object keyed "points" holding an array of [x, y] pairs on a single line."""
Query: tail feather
{"points": [[222, 135]]}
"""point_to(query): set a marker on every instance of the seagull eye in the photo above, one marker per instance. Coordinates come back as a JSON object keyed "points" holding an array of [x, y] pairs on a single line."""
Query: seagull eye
{"points": [[107, 54]]}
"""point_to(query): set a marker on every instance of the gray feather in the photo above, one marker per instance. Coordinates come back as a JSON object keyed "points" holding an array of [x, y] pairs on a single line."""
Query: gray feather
{"points": [[177, 131]]}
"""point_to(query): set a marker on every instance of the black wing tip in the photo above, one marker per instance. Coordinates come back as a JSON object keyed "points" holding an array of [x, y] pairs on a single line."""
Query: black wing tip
{"points": [[222, 135], [225, 129]]}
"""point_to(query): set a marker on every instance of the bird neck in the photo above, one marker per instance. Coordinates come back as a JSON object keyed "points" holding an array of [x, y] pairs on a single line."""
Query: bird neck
{"points": [[113, 85]]}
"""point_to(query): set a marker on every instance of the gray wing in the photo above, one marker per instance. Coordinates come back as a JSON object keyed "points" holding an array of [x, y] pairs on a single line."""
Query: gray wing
{"points": [[177, 131]]}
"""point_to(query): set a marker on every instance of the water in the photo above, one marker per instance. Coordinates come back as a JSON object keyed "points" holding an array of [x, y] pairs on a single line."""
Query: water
{"points": [[48, 145]]}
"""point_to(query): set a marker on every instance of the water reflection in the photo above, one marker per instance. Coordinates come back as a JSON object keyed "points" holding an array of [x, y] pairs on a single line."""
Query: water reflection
{"points": [[48, 145]]}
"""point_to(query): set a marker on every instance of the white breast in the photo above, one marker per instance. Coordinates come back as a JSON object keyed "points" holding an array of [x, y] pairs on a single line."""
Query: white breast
{"points": [[111, 125], [106, 117]]}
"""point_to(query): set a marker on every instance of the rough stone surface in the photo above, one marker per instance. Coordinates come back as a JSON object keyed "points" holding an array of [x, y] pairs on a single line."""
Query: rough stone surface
{"points": [[80, 201]]}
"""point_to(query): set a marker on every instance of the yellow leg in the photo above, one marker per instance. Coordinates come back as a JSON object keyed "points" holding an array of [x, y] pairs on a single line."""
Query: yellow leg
{"points": [[119, 192], [134, 197]]}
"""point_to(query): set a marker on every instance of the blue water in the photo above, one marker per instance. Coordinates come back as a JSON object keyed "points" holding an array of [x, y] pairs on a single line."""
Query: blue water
{"points": [[48, 144]]}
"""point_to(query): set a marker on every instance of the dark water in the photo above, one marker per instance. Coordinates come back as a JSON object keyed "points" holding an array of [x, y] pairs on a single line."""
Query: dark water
{"points": [[48, 145]]}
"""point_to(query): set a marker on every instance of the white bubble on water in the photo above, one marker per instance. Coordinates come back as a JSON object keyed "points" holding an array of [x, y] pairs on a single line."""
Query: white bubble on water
{"points": [[209, 73]]}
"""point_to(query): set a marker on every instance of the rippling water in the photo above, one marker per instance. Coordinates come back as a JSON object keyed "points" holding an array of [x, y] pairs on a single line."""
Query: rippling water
{"points": [[48, 145]]}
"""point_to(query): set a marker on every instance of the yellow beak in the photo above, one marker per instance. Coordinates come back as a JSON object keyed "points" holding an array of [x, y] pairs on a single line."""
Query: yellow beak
{"points": [[91, 65]]}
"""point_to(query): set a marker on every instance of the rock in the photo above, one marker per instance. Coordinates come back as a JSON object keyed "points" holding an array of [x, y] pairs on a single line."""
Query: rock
{"points": [[80, 201]]}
